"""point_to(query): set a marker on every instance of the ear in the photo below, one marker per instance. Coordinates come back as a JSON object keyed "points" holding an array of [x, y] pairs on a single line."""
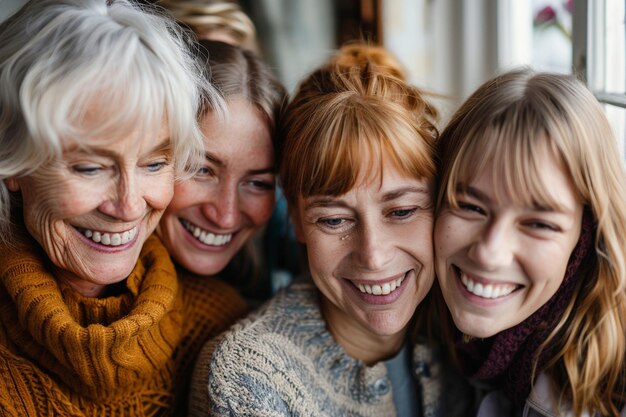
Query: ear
{"points": [[12, 184]]}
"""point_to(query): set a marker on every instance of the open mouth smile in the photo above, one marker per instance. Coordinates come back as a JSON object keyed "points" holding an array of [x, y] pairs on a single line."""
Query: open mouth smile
{"points": [[484, 290], [380, 289], [204, 236], [107, 238]]}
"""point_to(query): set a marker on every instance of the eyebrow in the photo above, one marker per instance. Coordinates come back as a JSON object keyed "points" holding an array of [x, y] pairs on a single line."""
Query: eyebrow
{"points": [[395, 194], [217, 161], [388, 196]]}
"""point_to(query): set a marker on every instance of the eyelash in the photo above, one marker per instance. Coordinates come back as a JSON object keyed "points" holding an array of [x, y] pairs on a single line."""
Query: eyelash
{"points": [[157, 166], [471, 207], [261, 185], [336, 228], [88, 170]]}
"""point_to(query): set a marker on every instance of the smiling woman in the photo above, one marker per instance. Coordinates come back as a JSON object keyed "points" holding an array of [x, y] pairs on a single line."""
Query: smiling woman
{"points": [[357, 168], [529, 242], [98, 106], [215, 213]]}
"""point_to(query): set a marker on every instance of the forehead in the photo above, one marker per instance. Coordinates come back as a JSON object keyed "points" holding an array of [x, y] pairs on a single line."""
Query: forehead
{"points": [[380, 185], [120, 141], [547, 184]]}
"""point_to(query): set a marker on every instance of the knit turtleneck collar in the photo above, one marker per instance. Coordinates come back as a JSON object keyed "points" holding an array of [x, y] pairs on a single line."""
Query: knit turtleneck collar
{"points": [[99, 346]]}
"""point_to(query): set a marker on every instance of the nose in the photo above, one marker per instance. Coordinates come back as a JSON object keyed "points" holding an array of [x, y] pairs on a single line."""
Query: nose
{"points": [[374, 250], [494, 246], [223, 209], [127, 202]]}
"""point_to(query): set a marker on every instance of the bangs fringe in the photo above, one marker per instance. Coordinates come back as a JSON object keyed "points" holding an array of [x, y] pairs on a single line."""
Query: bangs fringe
{"points": [[366, 147], [513, 153]]}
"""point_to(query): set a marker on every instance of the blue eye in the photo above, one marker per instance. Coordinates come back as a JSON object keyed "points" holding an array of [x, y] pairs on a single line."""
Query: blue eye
{"points": [[332, 222], [156, 166], [204, 171], [403, 213]]}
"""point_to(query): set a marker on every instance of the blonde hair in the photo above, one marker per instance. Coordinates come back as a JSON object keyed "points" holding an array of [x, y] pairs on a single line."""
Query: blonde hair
{"points": [[238, 73], [355, 108], [59, 58], [215, 20], [505, 123]]}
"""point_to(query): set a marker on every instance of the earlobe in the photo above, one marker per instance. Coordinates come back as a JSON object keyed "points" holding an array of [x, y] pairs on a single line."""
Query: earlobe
{"points": [[12, 184]]}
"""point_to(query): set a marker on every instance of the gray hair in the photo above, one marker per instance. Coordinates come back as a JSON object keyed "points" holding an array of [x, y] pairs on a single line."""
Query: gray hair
{"points": [[58, 58]]}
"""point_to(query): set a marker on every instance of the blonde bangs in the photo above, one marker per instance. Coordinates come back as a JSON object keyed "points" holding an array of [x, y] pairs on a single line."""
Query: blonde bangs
{"points": [[513, 152]]}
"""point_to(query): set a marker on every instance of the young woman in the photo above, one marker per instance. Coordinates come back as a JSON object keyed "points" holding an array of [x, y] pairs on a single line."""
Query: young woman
{"points": [[357, 169], [215, 214], [529, 242]]}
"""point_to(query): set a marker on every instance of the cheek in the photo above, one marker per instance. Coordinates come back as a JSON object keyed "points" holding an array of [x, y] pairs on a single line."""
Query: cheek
{"points": [[159, 191], [186, 194], [447, 236], [260, 209], [59, 201]]}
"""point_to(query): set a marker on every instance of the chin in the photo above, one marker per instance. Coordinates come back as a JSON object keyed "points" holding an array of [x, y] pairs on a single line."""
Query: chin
{"points": [[474, 328]]}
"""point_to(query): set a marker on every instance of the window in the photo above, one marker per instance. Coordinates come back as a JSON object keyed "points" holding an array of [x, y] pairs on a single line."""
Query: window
{"points": [[599, 45]]}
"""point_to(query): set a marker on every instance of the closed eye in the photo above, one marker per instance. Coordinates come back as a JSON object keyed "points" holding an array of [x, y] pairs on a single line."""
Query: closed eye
{"points": [[471, 208], [88, 170], [540, 225]]}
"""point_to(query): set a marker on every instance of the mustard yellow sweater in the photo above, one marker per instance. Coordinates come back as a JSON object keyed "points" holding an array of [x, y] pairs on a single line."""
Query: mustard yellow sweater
{"points": [[62, 354]]}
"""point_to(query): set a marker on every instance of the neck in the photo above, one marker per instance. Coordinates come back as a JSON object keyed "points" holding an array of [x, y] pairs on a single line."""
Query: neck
{"points": [[358, 341], [81, 286]]}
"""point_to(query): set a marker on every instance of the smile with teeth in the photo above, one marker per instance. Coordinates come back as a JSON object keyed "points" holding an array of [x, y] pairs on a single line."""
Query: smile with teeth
{"points": [[384, 289], [205, 236], [486, 290], [110, 239]]}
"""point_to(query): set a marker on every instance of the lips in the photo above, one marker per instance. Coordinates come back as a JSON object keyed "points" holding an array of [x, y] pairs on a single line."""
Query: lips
{"points": [[485, 290], [204, 236]]}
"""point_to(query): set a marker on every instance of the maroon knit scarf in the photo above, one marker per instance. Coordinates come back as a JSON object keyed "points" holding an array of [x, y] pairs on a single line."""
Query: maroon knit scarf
{"points": [[507, 359]]}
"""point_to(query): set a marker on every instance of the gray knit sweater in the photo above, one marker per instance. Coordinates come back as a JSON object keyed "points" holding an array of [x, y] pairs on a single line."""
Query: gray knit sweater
{"points": [[282, 361]]}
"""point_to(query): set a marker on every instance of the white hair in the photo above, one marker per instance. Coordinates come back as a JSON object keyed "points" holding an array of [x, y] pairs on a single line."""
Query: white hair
{"points": [[60, 58]]}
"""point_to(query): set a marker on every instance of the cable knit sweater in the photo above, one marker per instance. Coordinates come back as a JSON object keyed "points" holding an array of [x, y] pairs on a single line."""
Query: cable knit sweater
{"points": [[62, 354], [282, 361]]}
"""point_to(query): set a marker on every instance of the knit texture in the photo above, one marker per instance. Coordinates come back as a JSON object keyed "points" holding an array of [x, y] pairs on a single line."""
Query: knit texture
{"points": [[282, 361], [507, 359], [62, 354]]}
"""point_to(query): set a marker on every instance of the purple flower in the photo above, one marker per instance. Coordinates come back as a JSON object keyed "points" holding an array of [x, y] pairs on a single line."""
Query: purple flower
{"points": [[545, 15], [569, 5]]}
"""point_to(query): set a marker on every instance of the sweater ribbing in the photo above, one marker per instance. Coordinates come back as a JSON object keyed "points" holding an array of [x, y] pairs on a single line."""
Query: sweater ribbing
{"points": [[126, 355]]}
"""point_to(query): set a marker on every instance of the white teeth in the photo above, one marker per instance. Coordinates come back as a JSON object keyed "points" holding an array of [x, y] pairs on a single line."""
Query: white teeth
{"points": [[110, 239], [486, 290], [385, 289], [206, 237]]}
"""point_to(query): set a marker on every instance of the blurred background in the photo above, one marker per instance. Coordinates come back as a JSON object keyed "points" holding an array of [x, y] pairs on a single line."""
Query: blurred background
{"points": [[448, 46]]}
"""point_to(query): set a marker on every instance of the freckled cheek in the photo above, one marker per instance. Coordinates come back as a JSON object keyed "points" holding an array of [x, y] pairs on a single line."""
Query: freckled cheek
{"points": [[187, 193], [261, 209]]}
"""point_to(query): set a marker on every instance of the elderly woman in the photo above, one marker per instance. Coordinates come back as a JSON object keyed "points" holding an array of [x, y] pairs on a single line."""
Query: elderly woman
{"points": [[357, 168], [98, 102]]}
